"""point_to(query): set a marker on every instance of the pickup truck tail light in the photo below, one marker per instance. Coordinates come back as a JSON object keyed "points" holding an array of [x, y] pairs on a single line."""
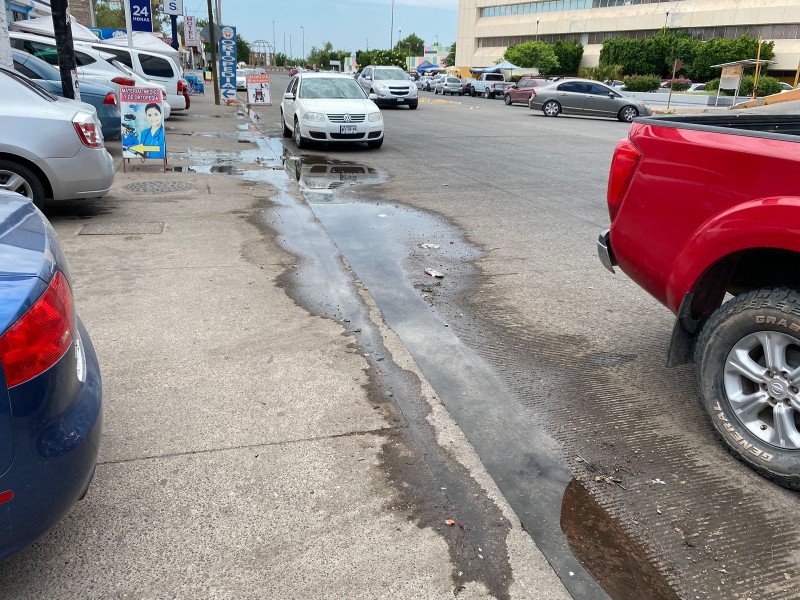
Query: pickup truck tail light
{"points": [[41, 336], [623, 165]]}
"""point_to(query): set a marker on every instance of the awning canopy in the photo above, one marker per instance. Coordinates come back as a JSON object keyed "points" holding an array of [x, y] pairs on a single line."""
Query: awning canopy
{"points": [[503, 66], [145, 41], [44, 26]]}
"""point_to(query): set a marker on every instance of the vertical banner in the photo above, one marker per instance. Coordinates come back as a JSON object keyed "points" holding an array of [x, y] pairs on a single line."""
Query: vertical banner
{"points": [[141, 16], [142, 114], [190, 25], [227, 64], [258, 91]]}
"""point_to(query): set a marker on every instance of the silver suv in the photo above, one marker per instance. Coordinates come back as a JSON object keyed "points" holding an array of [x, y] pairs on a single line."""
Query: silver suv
{"points": [[390, 84]]}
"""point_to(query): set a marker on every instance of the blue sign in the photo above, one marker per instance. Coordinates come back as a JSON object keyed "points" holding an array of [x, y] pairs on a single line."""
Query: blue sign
{"points": [[227, 63], [141, 16], [108, 34]]}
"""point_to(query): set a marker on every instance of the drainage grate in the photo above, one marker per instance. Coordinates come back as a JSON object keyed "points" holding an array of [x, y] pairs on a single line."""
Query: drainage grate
{"points": [[152, 228], [158, 187]]}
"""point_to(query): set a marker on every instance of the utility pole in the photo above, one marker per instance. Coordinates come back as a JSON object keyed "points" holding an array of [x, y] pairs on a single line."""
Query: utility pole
{"points": [[274, 43], [5, 42], [174, 21], [212, 38], [391, 29], [219, 13], [303, 29], [65, 49]]}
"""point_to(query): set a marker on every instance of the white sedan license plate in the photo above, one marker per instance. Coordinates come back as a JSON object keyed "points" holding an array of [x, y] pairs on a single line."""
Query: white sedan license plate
{"points": [[348, 129]]}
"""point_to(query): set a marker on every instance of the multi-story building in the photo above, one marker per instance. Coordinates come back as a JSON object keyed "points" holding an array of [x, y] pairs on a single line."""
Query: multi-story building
{"points": [[487, 27], [19, 10]]}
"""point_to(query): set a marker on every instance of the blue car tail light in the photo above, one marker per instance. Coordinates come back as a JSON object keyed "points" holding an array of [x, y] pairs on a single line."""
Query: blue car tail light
{"points": [[41, 336]]}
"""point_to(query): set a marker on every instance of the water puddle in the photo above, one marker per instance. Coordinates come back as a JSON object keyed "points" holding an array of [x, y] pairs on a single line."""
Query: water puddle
{"points": [[343, 243]]}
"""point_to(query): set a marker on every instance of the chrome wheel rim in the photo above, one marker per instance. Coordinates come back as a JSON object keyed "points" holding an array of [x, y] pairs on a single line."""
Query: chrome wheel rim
{"points": [[550, 109], [297, 136], [762, 386], [629, 114], [14, 182]]}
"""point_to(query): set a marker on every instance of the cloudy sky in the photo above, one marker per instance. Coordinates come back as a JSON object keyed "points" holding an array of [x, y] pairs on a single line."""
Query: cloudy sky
{"points": [[347, 24]]}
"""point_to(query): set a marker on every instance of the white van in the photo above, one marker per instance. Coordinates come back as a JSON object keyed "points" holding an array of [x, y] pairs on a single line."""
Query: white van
{"points": [[159, 68]]}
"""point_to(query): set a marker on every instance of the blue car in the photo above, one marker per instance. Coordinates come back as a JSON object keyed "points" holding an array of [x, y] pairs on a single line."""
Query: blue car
{"points": [[50, 390], [102, 97]]}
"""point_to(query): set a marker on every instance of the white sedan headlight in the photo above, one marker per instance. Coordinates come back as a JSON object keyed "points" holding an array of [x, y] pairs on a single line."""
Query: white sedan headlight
{"points": [[376, 116], [313, 116]]}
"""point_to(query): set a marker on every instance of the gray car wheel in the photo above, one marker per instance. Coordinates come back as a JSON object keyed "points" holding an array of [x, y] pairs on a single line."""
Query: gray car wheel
{"points": [[551, 108], [16, 178], [628, 114], [486, 93]]}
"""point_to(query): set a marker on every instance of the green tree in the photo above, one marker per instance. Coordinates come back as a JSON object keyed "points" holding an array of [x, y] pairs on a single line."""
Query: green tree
{"points": [[628, 54], [321, 56], [722, 50], [242, 49], [529, 55], [450, 60], [569, 55], [281, 60], [365, 58], [411, 45]]}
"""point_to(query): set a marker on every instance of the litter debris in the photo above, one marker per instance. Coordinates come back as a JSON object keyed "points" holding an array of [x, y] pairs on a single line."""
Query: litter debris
{"points": [[383, 216], [450, 522], [428, 246], [657, 482], [434, 273], [610, 480]]}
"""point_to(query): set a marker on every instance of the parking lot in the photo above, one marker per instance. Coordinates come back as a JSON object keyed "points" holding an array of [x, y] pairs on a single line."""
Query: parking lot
{"points": [[292, 403]]}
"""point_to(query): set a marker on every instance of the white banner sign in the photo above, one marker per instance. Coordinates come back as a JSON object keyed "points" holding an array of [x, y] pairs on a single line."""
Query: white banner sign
{"points": [[192, 35]]}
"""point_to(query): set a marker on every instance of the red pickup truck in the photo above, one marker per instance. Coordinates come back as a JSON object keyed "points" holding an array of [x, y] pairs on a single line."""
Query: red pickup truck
{"points": [[705, 216]]}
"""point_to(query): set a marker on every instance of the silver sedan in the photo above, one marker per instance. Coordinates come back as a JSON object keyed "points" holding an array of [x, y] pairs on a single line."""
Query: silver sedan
{"points": [[449, 85], [586, 97], [51, 148]]}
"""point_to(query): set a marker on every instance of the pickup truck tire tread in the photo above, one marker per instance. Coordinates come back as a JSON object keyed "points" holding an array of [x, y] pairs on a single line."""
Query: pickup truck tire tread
{"points": [[472, 92], [746, 314], [487, 94]]}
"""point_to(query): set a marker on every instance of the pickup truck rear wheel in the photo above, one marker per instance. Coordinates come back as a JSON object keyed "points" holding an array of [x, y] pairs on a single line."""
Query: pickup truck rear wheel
{"points": [[551, 108], [747, 363], [628, 114], [486, 93]]}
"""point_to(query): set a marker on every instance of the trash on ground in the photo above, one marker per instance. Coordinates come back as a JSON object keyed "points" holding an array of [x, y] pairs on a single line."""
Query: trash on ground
{"points": [[429, 246], [434, 273], [450, 522]]}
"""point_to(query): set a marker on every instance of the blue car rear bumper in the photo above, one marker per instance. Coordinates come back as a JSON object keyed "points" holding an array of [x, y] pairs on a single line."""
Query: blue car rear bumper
{"points": [[57, 425]]}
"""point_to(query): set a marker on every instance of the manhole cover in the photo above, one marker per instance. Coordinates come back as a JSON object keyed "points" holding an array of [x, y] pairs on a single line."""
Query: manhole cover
{"points": [[152, 228], [158, 187]]}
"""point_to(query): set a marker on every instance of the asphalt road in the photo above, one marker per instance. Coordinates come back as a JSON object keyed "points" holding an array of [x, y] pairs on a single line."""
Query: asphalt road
{"points": [[579, 350]]}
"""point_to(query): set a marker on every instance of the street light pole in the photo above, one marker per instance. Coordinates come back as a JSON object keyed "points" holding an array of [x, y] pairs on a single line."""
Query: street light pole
{"points": [[303, 29], [391, 29], [537, 30], [666, 18]]}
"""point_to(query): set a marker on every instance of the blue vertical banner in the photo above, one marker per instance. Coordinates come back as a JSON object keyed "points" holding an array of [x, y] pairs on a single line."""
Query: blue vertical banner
{"points": [[141, 16], [227, 64]]}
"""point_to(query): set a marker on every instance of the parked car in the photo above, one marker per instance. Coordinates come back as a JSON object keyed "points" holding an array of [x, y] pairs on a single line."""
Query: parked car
{"points": [[693, 227], [50, 389], [140, 81], [697, 87], [490, 85], [391, 85], [449, 85], [433, 82], [156, 67], [241, 78], [92, 64], [422, 82], [330, 108], [786, 87], [585, 97], [102, 97], [520, 92], [50, 148], [466, 85]]}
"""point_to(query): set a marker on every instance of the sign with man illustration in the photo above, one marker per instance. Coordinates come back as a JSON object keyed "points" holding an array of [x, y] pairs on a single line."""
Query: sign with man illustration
{"points": [[258, 91], [142, 112]]}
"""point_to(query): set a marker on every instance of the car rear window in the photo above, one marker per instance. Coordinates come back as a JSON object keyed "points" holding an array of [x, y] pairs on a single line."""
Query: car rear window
{"points": [[155, 66], [82, 59], [453, 80], [494, 77], [123, 56], [29, 84], [20, 68]]}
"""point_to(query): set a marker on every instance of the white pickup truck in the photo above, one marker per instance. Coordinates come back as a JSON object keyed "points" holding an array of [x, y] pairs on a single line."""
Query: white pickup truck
{"points": [[490, 85]]}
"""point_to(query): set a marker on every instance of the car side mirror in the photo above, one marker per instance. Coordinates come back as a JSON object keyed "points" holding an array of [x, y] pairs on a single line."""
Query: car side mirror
{"points": [[288, 96], [373, 97], [514, 86], [612, 95]]}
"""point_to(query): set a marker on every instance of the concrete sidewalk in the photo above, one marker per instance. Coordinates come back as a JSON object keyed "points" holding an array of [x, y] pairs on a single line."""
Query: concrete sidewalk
{"points": [[245, 454]]}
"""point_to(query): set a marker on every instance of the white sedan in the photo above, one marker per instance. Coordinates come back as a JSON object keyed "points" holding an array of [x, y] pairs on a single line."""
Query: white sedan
{"points": [[329, 107]]}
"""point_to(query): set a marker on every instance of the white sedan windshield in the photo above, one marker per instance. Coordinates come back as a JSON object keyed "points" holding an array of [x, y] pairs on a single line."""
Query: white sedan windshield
{"points": [[343, 88]]}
